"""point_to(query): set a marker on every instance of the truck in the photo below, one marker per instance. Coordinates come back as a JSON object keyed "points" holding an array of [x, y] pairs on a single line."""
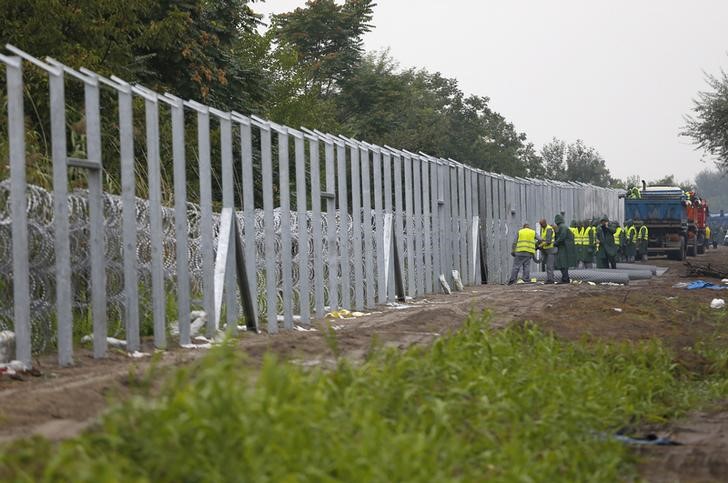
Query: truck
{"points": [[675, 219]]}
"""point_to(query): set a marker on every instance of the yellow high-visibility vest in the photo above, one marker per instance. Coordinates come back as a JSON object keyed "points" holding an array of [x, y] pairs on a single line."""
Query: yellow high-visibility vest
{"points": [[632, 230], [526, 241], [617, 235], [644, 233], [592, 236], [544, 234]]}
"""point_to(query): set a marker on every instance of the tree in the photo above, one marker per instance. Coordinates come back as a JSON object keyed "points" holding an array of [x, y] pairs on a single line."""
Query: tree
{"points": [[585, 164], [574, 162], [423, 111], [713, 186], [553, 155], [327, 39], [708, 126]]}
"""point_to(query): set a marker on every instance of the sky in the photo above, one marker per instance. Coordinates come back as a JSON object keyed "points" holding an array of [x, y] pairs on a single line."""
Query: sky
{"points": [[620, 75]]}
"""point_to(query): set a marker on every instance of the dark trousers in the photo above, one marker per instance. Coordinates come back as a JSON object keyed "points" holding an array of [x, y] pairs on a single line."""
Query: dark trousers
{"points": [[612, 262], [565, 275]]}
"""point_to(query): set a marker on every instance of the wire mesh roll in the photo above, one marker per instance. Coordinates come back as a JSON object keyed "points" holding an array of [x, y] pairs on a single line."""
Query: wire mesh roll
{"points": [[595, 276], [637, 266], [632, 274]]}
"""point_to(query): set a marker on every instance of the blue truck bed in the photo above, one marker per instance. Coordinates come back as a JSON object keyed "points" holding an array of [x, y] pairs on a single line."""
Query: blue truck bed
{"points": [[656, 211]]}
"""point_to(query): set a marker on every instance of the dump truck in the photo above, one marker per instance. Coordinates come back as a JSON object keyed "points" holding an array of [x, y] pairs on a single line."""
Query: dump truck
{"points": [[675, 219]]}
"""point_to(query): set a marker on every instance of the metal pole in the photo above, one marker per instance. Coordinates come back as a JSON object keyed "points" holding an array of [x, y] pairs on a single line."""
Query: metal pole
{"points": [[18, 209]]}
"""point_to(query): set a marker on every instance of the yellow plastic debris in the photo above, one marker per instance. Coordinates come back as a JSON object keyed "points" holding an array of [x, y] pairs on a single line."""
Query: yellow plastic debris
{"points": [[339, 314]]}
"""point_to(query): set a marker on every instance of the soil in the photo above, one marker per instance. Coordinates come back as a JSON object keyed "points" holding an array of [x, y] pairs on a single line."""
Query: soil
{"points": [[60, 402]]}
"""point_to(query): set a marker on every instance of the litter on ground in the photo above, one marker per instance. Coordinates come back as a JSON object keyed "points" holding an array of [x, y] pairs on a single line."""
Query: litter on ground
{"points": [[703, 284], [396, 306], [197, 346], [650, 439], [138, 355], [717, 304], [112, 341]]}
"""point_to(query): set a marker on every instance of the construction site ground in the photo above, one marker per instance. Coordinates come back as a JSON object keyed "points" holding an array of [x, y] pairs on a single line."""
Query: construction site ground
{"points": [[61, 402]]}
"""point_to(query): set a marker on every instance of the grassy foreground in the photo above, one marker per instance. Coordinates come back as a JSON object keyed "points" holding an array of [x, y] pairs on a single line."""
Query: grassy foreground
{"points": [[509, 405]]}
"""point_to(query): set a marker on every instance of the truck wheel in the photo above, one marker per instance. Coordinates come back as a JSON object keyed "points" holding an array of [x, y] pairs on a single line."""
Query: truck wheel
{"points": [[682, 254], [701, 249], [692, 250]]}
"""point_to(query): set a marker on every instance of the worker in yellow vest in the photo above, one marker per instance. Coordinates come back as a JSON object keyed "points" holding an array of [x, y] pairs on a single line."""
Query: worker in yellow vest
{"points": [[524, 248], [546, 245], [575, 229], [707, 237], [630, 243], [643, 237], [619, 241], [591, 242]]}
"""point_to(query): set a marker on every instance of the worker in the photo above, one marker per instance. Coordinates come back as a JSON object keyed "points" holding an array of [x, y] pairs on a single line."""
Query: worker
{"points": [[591, 242], [707, 237], [634, 193], [575, 230], [546, 245], [565, 249], [714, 239], [630, 242], [618, 239], [607, 251], [643, 238], [524, 248]]}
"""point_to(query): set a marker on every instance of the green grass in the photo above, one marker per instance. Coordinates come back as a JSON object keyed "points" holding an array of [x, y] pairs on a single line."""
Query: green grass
{"points": [[507, 405]]}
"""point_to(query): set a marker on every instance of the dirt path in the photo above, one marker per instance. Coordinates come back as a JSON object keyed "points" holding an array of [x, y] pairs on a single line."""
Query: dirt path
{"points": [[63, 401]]}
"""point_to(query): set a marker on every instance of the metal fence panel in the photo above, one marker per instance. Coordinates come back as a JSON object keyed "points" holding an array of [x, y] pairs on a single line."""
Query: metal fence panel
{"points": [[446, 217]]}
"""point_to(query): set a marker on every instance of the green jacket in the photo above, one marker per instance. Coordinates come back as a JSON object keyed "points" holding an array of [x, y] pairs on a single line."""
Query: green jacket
{"points": [[564, 241], [607, 247]]}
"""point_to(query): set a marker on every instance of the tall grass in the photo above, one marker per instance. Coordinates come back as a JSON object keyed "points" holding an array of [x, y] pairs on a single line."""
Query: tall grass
{"points": [[510, 405]]}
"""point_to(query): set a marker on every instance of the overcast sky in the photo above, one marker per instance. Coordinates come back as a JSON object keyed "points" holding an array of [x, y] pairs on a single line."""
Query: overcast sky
{"points": [[619, 74]]}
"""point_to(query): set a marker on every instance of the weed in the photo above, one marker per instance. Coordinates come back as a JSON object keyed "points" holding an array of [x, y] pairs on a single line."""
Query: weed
{"points": [[479, 404]]}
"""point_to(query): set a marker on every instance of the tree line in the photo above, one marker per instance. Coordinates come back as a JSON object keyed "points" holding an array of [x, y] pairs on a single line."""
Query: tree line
{"points": [[307, 67]]}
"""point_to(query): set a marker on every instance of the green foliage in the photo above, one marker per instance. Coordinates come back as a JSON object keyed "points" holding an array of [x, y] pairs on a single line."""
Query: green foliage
{"points": [[327, 38], [713, 186], [422, 111], [308, 69], [708, 126], [478, 405], [575, 162]]}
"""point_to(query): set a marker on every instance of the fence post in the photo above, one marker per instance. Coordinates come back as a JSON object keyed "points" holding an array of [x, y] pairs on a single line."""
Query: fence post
{"points": [[251, 266], [370, 282], [151, 113], [343, 225], [331, 248], [96, 214], [64, 315], [356, 226], [304, 287], [18, 209], [318, 261], [206, 226], [232, 309], [410, 226], [286, 261], [180, 218], [426, 221], [271, 282], [387, 168], [379, 224]]}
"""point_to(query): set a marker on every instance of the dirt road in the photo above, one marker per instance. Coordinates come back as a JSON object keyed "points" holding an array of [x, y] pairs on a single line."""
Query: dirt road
{"points": [[63, 401]]}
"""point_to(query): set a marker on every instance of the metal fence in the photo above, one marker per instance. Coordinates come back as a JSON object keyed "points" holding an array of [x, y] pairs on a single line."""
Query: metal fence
{"points": [[339, 223]]}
